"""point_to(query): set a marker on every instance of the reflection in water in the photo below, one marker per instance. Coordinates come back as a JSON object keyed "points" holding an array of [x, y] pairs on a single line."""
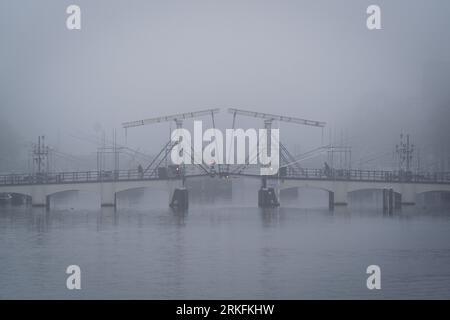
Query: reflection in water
{"points": [[40, 220], [223, 249]]}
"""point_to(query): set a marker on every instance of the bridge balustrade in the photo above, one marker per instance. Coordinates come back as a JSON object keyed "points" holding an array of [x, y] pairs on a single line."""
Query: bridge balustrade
{"points": [[367, 175], [290, 173], [74, 177]]}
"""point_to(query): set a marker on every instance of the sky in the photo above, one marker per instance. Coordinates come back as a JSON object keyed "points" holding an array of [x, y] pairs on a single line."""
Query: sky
{"points": [[136, 59]]}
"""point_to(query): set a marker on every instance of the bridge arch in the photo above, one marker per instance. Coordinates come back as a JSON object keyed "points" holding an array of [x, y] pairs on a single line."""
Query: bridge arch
{"points": [[306, 196], [149, 192], [153, 195], [72, 197], [324, 186], [155, 185], [62, 191], [321, 185], [373, 189], [12, 190], [373, 196], [50, 190], [355, 187], [434, 198], [434, 191], [17, 198], [414, 191], [432, 188]]}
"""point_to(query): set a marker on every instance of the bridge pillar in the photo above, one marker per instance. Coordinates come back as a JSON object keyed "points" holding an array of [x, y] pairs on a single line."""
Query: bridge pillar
{"points": [[397, 200], [267, 197], [388, 200], [180, 199], [331, 200]]}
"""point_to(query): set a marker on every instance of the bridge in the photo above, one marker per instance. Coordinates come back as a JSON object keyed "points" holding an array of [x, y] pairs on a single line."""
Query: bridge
{"points": [[398, 187]]}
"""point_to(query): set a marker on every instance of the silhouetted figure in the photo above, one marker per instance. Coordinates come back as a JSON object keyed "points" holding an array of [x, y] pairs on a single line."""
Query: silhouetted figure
{"points": [[327, 169]]}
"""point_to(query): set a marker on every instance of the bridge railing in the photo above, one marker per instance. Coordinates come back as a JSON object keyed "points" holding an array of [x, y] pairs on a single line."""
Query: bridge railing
{"points": [[366, 175], [172, 172], [75, 177], [286, 173]]}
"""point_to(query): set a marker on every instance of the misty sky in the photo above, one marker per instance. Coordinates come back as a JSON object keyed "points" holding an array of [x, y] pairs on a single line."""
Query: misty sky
{"points": [[140, 59]]}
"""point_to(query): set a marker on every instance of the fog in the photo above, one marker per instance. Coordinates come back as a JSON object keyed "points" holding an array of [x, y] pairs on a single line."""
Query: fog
{"points": [[311, 59]]}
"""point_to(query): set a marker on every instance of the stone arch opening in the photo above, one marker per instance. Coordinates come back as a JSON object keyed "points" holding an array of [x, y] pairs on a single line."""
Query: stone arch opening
{"points": [[307, 197], [143, 197], [73, 198], [434, 199], [372, 198], [14, 199]]}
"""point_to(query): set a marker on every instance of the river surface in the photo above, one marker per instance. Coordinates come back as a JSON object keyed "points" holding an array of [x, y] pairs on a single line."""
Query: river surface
{"points": [[222, 250]]}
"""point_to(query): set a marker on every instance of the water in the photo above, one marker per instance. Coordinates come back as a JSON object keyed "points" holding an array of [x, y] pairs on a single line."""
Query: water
{"points": [[222, 250]]}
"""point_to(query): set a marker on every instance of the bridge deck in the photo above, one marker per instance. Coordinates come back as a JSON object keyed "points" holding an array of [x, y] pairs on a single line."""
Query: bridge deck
{"points": [[304, 174]]}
